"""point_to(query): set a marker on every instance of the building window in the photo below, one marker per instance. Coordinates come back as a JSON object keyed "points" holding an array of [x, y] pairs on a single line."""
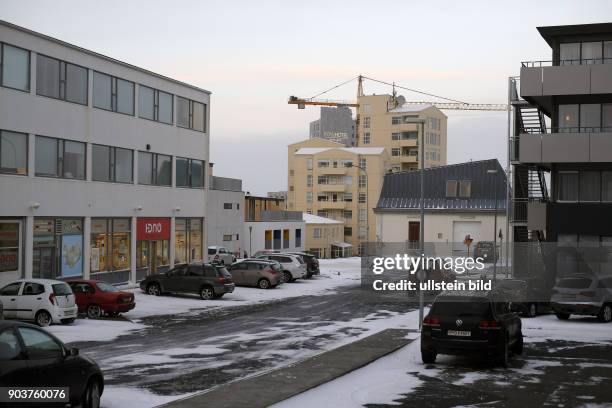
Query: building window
{"points": [[568, 186], [13, 152], [316, 233], [465, 188], [277, 239], [309, 180], [366, 138], [112, 93], [348, 197], [569, 53], [59, 158], [15, 67], [190, 114], [362, 198], [323, 180], [366, 122], [363, 181], [322, 213], [189, 173], [606, 186], [10, 242], [323, 163], [154, 169], [286, 242], [188, 240], [451, 188], [396, 151], [227, 206], [309, 164], [57, 247], [110, 244], [155, 105], [348, 231], [362, 162], [348, 214], [590, 186], [61, 80], [268, 239], [227, 237], [396, 120], [298, 237], [309, 197], [362, 214], [112, 164], [363, 233]]}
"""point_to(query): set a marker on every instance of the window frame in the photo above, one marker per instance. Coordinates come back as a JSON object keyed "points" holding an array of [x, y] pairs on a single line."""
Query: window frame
{"points": [[60, 170], [190, 103], [62, 68], [190, 173], [27, 154], [29, 87], [155, 105], [114, 94], [112, 164], [154, 169]]}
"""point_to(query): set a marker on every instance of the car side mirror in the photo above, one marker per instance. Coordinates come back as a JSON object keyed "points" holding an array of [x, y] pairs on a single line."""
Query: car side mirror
{"points": [[73, 352]]}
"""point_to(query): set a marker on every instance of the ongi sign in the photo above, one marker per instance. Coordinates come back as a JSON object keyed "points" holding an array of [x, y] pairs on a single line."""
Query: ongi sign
{"points": [[153, 229]]}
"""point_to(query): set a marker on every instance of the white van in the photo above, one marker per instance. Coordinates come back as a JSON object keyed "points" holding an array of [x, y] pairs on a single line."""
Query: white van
{"points": [[45, 301]]}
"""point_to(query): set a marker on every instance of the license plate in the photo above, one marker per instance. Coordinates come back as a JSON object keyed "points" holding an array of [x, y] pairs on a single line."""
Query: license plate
{"points": [[459, 333]]}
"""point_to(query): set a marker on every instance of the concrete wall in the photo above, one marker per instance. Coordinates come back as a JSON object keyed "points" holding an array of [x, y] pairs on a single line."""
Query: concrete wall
{"points": [[566, 147], [255, 240], [566, 80], [329, 233], [221, 221]]}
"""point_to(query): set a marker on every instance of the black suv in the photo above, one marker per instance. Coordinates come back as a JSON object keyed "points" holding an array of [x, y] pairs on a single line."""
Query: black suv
{"points": [[312, 263], [208, 281], [479, 323]]}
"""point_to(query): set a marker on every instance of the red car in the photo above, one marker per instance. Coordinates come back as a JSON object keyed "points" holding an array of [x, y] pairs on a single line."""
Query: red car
{"points": [[96, 298]]}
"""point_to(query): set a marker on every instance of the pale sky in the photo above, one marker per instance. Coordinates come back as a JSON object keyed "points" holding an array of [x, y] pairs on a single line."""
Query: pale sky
{"points": [[253, 54]]}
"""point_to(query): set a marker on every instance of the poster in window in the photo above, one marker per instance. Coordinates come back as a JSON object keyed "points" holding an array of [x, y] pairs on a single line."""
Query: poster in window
{"points": [[95, 259], [72, 255]]}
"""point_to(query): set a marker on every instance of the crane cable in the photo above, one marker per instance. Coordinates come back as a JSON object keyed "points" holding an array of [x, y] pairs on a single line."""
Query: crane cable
{"points": [[337, 86], [414, 90]]}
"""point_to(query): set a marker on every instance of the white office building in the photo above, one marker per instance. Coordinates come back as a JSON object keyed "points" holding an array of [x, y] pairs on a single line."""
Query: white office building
{"points": [[102, 164]]}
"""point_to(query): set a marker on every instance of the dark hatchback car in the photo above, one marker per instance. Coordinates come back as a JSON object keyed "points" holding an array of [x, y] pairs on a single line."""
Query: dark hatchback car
{"points": [[471, 323], [31, 357], [312, 263], [210, 281]]}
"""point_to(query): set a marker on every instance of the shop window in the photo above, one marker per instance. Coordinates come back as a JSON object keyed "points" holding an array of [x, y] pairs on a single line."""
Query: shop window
{"points": [[112, 93], [13, 152], [155, 105], [154, 169], [110, 244], [15, 67], [58, 248], [190, 114], [9, 246], [112, 164], [61, 80], [59, 158]]}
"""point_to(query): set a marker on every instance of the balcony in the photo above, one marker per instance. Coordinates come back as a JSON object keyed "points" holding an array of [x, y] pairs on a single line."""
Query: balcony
{"points": [[408, 158], [331, 205], [332, 188], [540, 80], [578, 145], [340, 170], [409, 142]]}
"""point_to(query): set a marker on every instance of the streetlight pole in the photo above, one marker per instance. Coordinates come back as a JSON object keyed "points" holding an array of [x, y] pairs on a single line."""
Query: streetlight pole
{"points": [[250, 241], [367, 219], [494, 173]]}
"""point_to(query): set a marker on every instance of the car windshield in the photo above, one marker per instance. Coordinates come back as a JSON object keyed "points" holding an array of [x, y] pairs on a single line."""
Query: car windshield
{"points": [[461, 307], [61, 289], [212, 251], [107, 287], [574, 283]]}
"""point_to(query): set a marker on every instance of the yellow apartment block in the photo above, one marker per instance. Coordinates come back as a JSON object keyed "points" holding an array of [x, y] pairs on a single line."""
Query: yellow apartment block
{"points": [[385, 122], [325, 237], [342, 183]]}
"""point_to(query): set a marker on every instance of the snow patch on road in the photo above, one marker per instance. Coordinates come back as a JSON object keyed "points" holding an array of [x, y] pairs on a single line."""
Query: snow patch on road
{"points": [[120, 397], [93, 330], [579, 329]]}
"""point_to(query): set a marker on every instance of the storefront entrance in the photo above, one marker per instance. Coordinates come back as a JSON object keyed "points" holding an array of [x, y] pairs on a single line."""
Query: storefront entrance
{"points": [[152, 246]]}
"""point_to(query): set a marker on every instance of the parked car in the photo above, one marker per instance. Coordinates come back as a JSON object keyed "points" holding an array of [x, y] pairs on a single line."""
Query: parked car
{"points": [[312, 263], [45, 301], [97, 298], [527, 296], [207, 280], [256, 272], [583, 295], [31, 357], [293, 266], [1, 311], [265, 252], [467, 322], [219, 254], [487, 251]]}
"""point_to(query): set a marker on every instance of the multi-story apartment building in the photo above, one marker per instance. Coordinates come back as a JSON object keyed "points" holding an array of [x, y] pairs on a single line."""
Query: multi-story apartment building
{"points": [[102, 164], [563, 134], [342, 183], [335, 124], [389, 122]]}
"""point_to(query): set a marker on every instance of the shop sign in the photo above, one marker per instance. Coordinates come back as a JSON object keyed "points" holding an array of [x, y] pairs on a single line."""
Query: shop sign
{"points": [[72, 227], [9, 259], [153, 229]]}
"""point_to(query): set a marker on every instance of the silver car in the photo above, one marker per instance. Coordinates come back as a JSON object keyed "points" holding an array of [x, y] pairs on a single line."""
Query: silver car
{"points": [[583, 295], [219, 254], [293, 266]]}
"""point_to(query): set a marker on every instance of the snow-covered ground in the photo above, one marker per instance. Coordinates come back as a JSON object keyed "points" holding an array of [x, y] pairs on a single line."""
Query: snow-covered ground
{"points": [[335, 273]]}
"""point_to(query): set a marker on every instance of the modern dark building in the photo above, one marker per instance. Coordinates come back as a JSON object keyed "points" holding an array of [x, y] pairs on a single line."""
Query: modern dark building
{"points": [[335, 124], [561, 146]]}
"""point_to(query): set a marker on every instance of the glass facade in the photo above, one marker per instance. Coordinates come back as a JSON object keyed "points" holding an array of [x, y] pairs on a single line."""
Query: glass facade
{"points": [[58, 248], [10, 246], [188, 240], [15, 67], [110, 244], [13, 152]]}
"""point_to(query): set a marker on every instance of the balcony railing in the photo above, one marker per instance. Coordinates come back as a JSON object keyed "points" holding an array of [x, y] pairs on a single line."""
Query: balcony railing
{"points": [[556, 63], [577, 129]]}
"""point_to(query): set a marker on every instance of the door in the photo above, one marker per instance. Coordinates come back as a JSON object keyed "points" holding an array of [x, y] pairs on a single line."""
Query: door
{"points": [[153, 257], [414, 232], [192, 279], [43, 262], [172, 281], [8, 297], [461, 229], [30, 300]]}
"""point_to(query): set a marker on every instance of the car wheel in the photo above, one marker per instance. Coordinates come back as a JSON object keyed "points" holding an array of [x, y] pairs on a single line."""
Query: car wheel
{"points": [[43, 318], [91, 397], [207, 293], [428, 357], [562, 316], [263, 284], [153, 289], [67, 321], [94, 311], [532, 310], [605, 315], [518, 346], [287, 277]]}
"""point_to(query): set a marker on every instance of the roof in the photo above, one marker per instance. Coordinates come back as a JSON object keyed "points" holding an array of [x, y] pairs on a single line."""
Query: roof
{"points": [[402, 190], [550, 32], [36, 280], [407, 107], [315, 219], [98, 55], [353, 150]]}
